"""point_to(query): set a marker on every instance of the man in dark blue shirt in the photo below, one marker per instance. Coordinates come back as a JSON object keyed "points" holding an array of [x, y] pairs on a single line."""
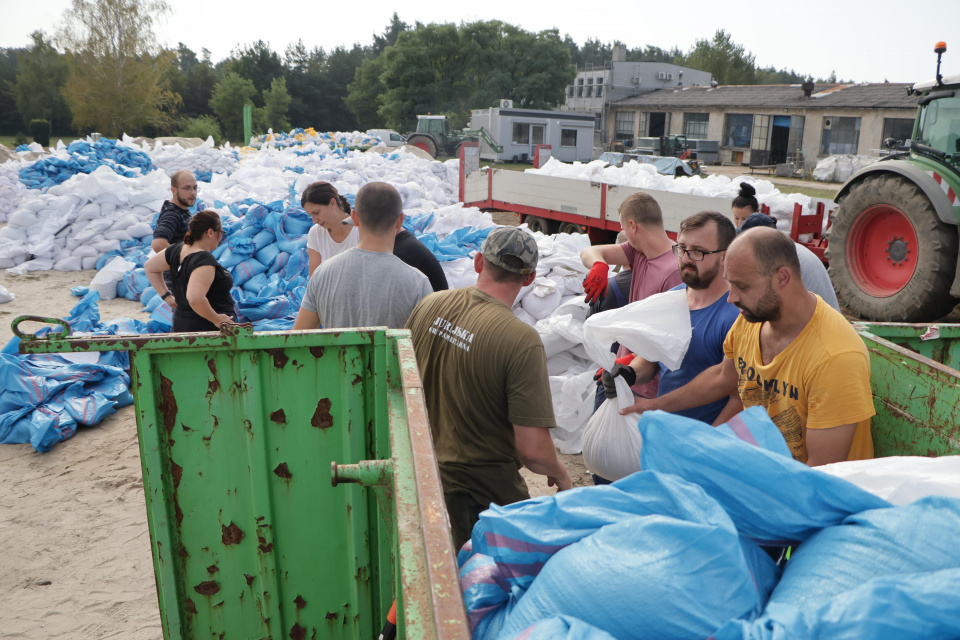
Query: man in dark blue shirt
{"points": [[172, 224], [701, 248]]}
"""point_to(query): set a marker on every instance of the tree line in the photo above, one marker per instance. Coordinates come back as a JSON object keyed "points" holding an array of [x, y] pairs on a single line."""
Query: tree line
{"points": [[103, 70]]}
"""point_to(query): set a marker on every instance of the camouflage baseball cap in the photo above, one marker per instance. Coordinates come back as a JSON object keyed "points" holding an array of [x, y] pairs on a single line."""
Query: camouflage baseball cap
{"points": [[512, 242]]}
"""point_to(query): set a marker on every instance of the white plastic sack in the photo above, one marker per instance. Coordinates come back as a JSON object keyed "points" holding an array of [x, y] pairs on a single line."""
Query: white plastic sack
{"points": [[573, 397], [105, 282], [611, 442], [543, 299], [6, 296], [825, 169], [559, 333], [902, 479], [655, 328]]}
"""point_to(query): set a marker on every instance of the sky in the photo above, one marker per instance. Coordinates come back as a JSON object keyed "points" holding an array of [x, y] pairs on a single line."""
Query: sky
{"points": [[862, 40]]}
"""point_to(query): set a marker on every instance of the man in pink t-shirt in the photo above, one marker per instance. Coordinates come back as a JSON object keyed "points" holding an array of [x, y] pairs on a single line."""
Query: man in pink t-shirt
{"points": [[648, 250]]}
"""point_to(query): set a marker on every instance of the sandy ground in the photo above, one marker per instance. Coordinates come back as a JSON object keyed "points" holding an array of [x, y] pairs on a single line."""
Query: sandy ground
{"points": [[73, 526]]}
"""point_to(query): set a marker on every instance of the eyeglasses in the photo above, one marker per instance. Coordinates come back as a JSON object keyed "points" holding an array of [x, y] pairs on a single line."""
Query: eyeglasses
{"points": [[190, 188], [694, 254]]}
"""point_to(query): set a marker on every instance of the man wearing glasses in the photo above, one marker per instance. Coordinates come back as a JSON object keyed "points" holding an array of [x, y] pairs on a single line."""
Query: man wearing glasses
{"points": [[174, 218], [700, 250]]}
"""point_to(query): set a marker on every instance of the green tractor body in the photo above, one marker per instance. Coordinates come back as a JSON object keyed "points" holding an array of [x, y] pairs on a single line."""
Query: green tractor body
{"points": [[435, 136], [893, 243]]}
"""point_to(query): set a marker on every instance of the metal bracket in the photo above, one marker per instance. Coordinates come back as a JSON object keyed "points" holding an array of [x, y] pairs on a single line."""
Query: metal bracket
{"points": [[369, 473]]}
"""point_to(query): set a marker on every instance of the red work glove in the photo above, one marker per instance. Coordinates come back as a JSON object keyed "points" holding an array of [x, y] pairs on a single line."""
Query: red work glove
{"points": [[595, 284]]}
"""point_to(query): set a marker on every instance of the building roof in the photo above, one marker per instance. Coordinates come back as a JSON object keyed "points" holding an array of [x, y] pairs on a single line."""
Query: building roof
{"points": [[790, 96]]}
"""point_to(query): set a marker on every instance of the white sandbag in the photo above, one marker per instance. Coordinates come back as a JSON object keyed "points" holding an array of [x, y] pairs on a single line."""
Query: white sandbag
{"points": [[140, 230], [105, 282], [89, 211], [106, 246], [902, 479], [611, 442], [88, 263], [37, 264], [71, 263], [6, 296], [119, 234], [550, 335], [565, 362], [85, 251], [22, 218], [656, 328], [523, 315], [542, 299], [825, 169], [14, 234], [573, 399]]}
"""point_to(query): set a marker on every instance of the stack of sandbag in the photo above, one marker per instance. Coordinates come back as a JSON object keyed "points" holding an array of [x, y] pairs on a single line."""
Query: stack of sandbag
{"points": [[839, 168], [11, 189], [299, 137], [203, 160], [85, 156], [73, 224]]}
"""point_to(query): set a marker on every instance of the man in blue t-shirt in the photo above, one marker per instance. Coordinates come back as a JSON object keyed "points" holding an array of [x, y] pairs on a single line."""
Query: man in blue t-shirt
{"points": [[700, 249]]}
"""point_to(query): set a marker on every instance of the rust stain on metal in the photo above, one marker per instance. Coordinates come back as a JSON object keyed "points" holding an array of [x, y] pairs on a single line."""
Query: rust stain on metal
{"points": [[249, 579], [282, 471], [212, 569], [316, 352], [264, 546], [300, 602], [168, 404], [357, 379], [232, 534], [279, 416], [182, 551], [297, 632], [207, 588], [321, 417], [178, 513], [280, 358], [190, 606], [176, 471], [214, 385], [331, 615]]}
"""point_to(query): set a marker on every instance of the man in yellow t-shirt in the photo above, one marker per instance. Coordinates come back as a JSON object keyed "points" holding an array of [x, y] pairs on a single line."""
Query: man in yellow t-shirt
{"points": [[788, 352]]}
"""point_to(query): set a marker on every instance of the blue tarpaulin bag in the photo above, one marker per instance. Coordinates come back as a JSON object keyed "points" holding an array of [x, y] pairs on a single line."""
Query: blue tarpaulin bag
{"points": [[772, 498]]}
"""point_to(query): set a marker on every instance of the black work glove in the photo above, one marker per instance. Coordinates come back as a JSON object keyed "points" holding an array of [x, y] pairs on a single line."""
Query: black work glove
{"points": [[619, 369]]}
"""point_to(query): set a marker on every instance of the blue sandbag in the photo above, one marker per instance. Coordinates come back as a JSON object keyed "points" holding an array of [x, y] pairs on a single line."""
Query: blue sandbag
{"points": [[246, 270], [268, 254], [772, 498], [263, 239], [148, 294], [297, 222], [79, 292], [228, 259], [255, 284], [298, 265], [241, 245], [279, 263], [133, 284]]}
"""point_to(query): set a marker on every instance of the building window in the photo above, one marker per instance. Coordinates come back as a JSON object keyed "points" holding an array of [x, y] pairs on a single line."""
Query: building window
{"points": [[599, 90], [840, 135], [695, 125], [579, 80], [899, 129], [623, 125], [570, 91], [521, 133], [568, 137], [590, 91], [579, 91], [737, 128], [761, 129], [589, 80]]}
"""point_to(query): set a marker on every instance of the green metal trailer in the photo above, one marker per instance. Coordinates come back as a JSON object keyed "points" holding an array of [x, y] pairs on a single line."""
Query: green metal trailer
{"points": [[291, 485]]}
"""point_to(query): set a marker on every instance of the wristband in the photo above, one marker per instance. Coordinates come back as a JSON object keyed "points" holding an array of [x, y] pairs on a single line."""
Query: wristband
{"points": [[164, 296]]}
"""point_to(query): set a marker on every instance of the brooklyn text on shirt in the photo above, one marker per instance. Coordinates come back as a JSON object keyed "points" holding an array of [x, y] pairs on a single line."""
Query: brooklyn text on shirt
{"points": [[457, 336], [749, 374]]}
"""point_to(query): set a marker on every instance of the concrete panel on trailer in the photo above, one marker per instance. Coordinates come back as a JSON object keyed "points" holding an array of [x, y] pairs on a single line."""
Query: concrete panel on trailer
{"points": [[475, 186], [546, 192], [675, 206]]}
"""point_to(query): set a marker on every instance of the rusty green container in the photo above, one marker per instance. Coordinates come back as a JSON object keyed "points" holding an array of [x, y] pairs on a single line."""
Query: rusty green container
{"points": [[916, 388], [291, 485]]}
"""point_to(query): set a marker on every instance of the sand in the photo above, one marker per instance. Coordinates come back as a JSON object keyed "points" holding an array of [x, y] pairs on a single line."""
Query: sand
{"points": [[75, 545]]}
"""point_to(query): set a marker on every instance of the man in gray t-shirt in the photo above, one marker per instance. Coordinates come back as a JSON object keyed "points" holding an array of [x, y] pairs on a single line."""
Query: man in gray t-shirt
{"points": [[367, 286]]}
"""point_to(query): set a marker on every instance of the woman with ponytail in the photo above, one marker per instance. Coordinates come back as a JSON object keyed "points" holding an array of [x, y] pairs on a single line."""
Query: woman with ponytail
{"points": [[744, 204], [201, 287], [328, 236]]}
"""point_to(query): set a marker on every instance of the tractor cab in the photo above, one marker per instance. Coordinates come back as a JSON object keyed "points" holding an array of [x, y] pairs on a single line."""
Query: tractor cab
{"points": [[438, 126], [937, 132]]}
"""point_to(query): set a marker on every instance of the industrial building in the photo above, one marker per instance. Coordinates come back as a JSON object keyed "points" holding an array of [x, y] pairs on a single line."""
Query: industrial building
{"points": [[519, 131]]}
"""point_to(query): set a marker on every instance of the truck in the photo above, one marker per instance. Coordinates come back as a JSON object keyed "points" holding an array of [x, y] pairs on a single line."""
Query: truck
{"points": [[893, 241]]}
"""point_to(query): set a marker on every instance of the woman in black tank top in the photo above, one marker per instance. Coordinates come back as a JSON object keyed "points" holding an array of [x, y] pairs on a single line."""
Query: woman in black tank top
{"points": [[201, 287]]}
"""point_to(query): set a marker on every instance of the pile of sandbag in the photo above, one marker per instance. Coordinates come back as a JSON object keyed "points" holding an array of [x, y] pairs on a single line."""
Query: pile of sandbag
{"points": [[203, 160], [299, 137], [11, 189], [838, 168], [85, 156]]}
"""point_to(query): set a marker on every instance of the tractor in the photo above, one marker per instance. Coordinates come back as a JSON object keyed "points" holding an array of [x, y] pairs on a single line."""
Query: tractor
{"points": [[434, 136], [893, 242]]}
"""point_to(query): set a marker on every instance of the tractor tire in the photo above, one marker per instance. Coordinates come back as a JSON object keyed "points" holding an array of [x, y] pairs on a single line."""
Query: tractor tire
{"points": [[891, 258], [424, 143], [543, 225]]}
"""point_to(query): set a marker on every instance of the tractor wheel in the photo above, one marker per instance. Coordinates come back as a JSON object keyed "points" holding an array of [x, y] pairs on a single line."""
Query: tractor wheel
{"points": [[571, 227], [891, 258], [543, 225], [424, 143]]}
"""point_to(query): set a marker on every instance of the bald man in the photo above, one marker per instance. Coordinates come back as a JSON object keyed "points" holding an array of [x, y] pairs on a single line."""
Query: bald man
{"points": [[175, 213], [788, 352]]}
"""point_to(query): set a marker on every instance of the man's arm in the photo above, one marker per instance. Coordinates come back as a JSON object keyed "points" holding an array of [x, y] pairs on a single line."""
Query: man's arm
{"points": [[609, 253], [829, 445], [159, 244], [712, 384], [732, 408], [306, 320], [644, 369], [163, 234], [538, 453]]}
